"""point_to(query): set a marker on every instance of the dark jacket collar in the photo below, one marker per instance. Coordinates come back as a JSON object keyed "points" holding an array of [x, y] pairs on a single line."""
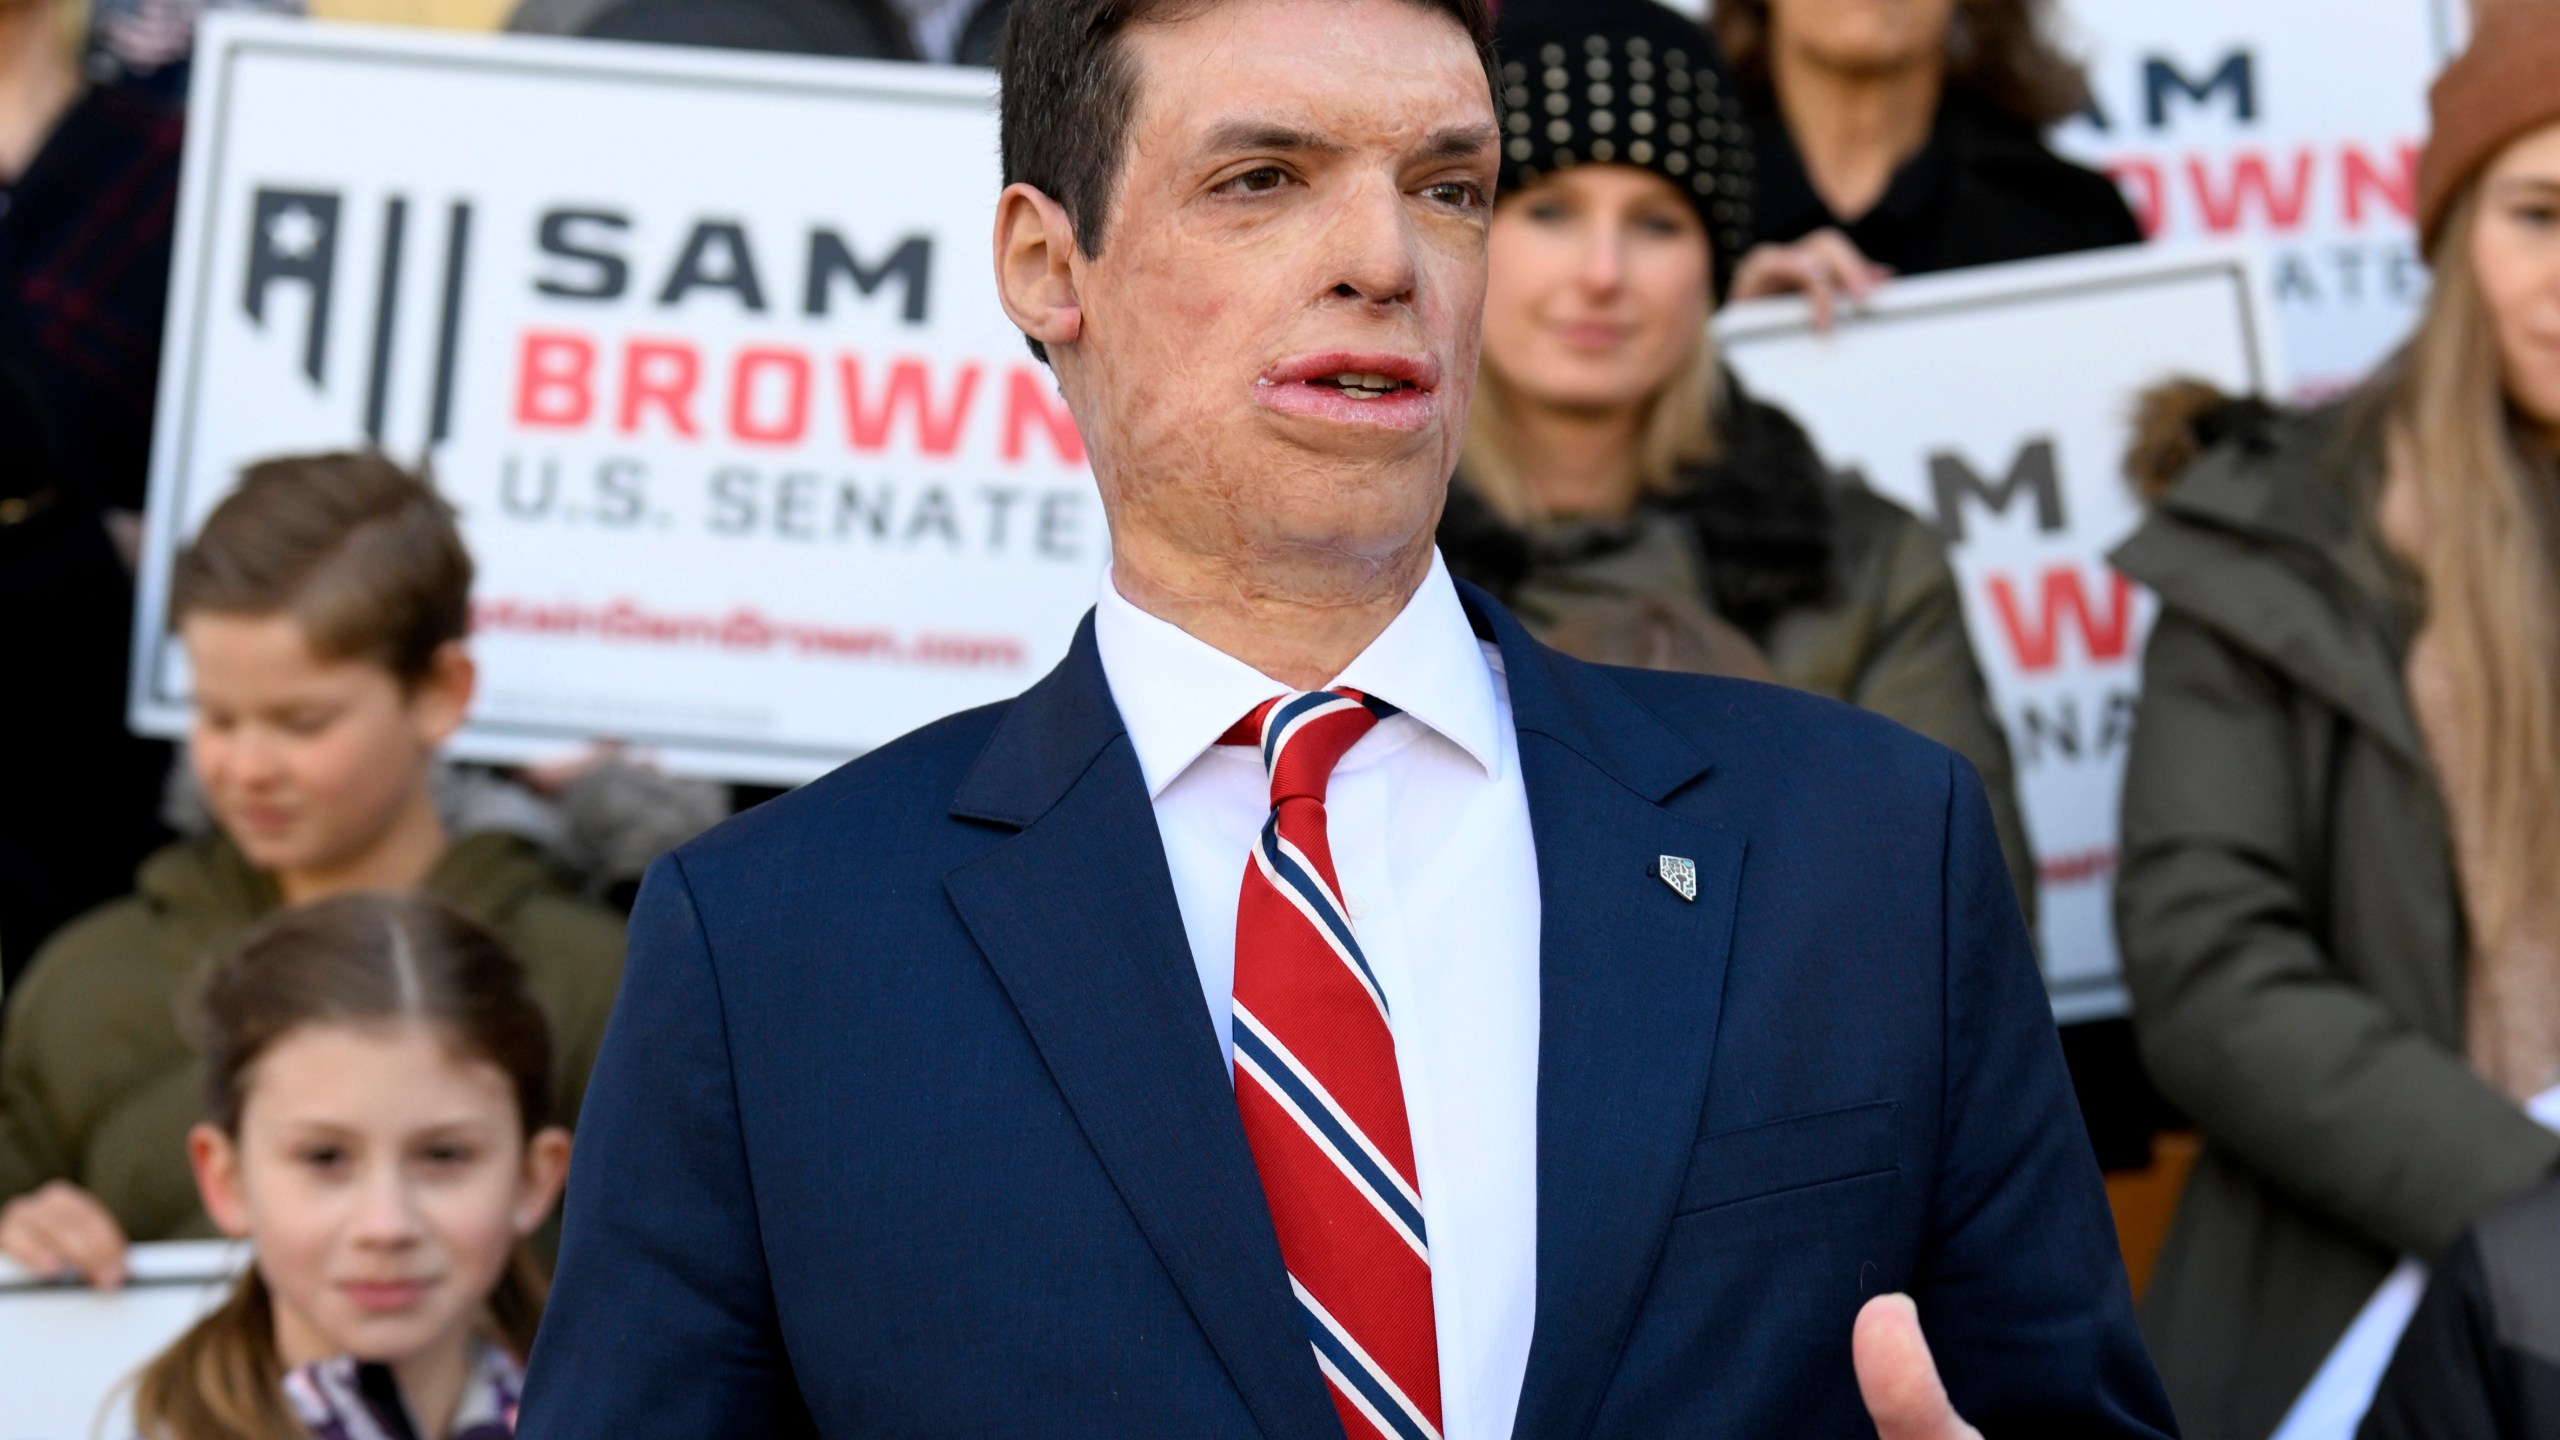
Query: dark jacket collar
{"points": [[2265, 541], [1077, 918], [1055, 731], [1762, 510]]}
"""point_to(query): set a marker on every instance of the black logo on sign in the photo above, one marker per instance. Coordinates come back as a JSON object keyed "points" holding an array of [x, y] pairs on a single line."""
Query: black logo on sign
{"points": [[294, 240]]}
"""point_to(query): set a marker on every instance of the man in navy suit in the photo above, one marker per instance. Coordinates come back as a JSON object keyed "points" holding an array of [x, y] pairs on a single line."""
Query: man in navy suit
{"points": [[1317, 1008]]}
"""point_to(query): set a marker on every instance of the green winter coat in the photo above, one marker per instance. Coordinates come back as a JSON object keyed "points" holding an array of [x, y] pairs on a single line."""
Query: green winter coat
{"points": [[1843, 592], [2290, 926], [98, 1081]]}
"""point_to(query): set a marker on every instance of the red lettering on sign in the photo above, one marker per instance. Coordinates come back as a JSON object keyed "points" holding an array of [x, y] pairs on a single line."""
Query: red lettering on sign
{"points": [[2224, 208], [2037, 639], [787, 428], [661, 373], [554, 379], [910, 389], [1029, 400], [2397, 187]]}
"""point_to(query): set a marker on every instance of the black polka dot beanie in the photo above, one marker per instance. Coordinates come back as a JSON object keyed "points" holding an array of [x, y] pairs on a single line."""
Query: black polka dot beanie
{"points": [[1625, 82]]}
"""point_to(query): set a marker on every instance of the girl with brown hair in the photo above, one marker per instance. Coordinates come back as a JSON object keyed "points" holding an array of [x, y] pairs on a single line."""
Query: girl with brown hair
{"points": [[1906, 138], [323, 609], [2340, 899], [377, 1092]]}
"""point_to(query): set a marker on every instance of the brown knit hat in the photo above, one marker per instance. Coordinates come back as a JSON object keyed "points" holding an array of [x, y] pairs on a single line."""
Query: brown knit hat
{"points": [[2505, 84]]}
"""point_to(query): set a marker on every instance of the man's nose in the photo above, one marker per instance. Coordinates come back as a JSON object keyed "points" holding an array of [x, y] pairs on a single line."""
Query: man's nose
{"points": [[1370, 246]]}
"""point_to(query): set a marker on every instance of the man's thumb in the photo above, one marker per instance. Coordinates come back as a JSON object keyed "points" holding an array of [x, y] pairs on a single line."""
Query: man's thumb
{"points": [[1898, 1379]]}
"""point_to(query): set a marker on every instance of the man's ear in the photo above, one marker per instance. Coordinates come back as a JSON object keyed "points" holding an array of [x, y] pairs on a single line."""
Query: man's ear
{"points": [[1035, 278], [216, 1161]]}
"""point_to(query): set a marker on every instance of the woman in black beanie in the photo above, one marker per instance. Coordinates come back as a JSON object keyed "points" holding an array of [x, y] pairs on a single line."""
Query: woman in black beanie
{"points": [[1618, 489]]}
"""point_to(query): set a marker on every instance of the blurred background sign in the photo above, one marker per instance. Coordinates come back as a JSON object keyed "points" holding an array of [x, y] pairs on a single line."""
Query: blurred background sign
{"points": [[2293, 125], [702, 345], [69, 1350], [1996, 403]]}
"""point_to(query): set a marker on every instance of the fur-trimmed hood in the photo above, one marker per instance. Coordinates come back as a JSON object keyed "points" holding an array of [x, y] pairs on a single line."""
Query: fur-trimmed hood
{"points": [[2176, 422]]}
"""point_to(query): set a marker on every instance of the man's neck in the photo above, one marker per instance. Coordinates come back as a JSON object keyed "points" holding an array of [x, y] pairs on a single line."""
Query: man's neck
{"points": [[1854, 128], [1301, 620], [38, 81], [400, 860]]}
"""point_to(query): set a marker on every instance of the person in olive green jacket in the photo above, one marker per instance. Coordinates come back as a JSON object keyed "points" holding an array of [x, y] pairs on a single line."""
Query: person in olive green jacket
{"points": [[2339, 901], [322, 608], [1618, 490]]}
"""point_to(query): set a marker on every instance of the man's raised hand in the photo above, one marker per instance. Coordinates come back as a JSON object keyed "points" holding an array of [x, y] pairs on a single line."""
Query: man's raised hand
{"points": [[1898, 1379]]}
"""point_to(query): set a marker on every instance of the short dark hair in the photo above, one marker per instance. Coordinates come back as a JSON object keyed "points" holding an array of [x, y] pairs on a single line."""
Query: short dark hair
{"points": [[361, 551], [1070, 92]]}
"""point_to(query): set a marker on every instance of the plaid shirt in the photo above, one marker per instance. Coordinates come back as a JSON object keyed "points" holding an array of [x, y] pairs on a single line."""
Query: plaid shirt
{"points": [[84, 279]]}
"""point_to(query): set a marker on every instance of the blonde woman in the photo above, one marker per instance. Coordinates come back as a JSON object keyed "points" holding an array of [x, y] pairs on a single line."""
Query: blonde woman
{"points": [[2340, 898], [1618, 491]]}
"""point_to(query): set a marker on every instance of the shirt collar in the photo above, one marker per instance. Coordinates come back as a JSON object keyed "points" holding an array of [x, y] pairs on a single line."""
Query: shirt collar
{"points": [[1177, 694]]}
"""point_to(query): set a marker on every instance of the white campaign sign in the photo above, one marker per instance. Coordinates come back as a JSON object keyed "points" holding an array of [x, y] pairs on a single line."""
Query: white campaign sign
{"points": [[1995, 403], [66, 1351], [704, 347], [2295, 125]]}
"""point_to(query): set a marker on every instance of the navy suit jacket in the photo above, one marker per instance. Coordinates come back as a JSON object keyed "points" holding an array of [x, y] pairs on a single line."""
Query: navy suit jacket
{"points": [[910, 1120]]}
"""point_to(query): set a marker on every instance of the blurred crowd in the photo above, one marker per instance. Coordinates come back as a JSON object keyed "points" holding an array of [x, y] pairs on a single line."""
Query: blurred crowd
{"points": [[2339, 897]]}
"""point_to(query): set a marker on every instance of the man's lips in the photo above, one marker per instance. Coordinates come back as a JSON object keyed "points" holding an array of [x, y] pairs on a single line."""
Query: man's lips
{"points": [[1376, 388]]}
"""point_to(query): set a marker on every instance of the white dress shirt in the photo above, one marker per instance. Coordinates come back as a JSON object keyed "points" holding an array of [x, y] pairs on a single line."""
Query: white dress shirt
{"points": [[1429, 825]]}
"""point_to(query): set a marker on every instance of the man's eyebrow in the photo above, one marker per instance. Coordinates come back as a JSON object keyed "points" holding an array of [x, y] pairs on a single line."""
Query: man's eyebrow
{"points": [[1269, 136], [1457, 142]]}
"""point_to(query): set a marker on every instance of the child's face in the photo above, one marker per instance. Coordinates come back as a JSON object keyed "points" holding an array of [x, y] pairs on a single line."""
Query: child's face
{"points": [[307, 762], [384, 1182]]}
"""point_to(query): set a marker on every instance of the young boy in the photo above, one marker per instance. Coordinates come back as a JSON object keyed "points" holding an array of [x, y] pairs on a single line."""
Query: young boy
{"points": [[323, 608]]}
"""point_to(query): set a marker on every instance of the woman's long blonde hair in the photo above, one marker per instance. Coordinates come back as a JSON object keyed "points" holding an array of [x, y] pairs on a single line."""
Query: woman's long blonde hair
{"points": [[1679, 430], [2489, 559]]}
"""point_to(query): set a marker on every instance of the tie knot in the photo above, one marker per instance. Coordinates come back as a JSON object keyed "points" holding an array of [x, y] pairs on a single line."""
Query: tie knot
{"points": [[1303, 736]]}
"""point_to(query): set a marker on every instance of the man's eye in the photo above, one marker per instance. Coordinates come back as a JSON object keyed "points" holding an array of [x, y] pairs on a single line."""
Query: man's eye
{"points": [[1457, 194], [1256, 181]]}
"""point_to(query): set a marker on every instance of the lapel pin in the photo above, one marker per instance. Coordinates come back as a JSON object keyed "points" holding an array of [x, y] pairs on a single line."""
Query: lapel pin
{"points": [[1678, 872]]}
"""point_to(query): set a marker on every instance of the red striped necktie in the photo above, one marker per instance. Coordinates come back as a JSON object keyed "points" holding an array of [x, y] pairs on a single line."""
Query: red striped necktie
{"points": [[1317, 1085]]}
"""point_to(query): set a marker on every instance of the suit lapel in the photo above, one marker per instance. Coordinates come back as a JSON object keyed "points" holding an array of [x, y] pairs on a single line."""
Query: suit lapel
{"points": [[1077, 916], [1631, 983]]}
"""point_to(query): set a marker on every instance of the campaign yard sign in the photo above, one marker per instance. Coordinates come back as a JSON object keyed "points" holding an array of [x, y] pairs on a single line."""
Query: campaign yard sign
{"points": [[703, 347], [67, 1352], [2295, 126], [1996, 404]]}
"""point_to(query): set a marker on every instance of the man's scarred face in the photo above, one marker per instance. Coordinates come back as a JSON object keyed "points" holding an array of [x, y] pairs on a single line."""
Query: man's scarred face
{"points": [[1278, 340]]}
